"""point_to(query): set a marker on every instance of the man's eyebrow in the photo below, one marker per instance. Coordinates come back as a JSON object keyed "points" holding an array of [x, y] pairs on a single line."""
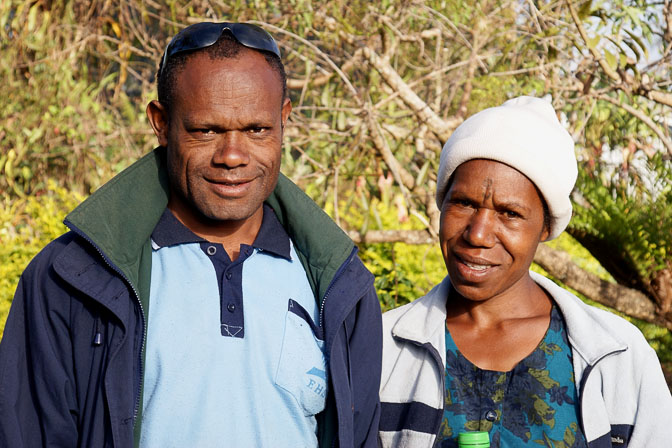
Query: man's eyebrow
{"points": [[258, 124]]}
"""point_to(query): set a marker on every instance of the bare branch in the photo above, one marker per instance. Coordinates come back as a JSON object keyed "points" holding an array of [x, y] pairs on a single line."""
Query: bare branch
{"points": [[557, 263], [664, 98], [644, 119], [401, 176], [442, 128], [317, 50], [298, 84], [392, 236], [626, 300]]}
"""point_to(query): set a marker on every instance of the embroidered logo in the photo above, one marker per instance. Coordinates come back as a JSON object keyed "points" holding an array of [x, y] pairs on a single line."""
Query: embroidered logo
{"points": [[618, 440], [230, 330]]}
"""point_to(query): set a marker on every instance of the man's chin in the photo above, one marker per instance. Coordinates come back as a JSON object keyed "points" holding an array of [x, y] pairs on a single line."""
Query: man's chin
{"points": [[229, 214]]}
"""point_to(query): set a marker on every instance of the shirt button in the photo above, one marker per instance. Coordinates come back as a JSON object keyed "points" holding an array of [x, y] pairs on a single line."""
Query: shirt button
{"points": [[231, 307], [491, 416], [229, 275], [211, 250]]}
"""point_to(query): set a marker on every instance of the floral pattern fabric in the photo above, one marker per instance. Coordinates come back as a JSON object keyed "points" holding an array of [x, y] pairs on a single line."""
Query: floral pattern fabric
{"points": [[535, 404]]}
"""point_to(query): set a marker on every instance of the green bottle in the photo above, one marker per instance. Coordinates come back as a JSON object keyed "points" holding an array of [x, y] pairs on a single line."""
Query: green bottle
{"points": [[473, 439]]}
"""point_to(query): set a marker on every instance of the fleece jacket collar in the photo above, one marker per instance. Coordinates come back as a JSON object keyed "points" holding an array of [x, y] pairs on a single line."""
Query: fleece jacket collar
{"points": [[423, 323], [585, 330], [119, 218]]}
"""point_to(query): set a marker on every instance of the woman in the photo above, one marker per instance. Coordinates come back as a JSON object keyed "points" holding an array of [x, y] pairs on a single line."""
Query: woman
{"points": [[495, 347]]}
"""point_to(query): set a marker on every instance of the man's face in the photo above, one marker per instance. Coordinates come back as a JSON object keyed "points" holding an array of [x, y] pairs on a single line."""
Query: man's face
{"points": [[224, 136]]}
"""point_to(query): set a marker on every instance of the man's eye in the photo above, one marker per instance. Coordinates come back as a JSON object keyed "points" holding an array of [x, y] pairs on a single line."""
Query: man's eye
{"points": [[257, 130], [512, 214], [205, 131]]}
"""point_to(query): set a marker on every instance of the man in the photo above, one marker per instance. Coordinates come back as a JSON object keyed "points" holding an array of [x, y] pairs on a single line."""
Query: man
{"points": [[200, 298]]}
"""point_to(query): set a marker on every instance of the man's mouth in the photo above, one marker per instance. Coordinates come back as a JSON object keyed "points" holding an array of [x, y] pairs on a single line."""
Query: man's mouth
{"points": [[231, 188]]}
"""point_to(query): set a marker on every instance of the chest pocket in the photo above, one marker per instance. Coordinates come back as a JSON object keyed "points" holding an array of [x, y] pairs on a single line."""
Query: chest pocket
{"points": [[302, 369]]}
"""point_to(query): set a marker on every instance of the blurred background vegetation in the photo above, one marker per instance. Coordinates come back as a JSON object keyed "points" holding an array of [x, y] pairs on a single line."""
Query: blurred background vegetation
{"points": [[377, 88]]}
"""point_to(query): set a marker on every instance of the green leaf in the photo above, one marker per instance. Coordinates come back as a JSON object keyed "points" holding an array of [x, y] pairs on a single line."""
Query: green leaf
{"points": [[640, 43], [593, 41], [611, 59]]}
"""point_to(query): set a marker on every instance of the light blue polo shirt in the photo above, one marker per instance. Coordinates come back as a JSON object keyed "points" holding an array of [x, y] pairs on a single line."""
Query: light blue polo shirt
{"points": [[233, 355]]}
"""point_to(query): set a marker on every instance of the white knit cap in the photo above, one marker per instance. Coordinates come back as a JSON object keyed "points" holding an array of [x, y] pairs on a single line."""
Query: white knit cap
{"points": [[525, 134]]}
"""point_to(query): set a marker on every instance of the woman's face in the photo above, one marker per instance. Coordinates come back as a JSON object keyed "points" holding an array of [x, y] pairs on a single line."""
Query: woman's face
{"points": [[492, 220]]}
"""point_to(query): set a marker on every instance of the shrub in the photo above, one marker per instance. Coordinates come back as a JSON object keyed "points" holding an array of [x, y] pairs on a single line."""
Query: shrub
{"points": [[28, 224]]}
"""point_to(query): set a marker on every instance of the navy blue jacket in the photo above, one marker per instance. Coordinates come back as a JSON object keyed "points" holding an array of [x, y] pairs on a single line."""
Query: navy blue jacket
{"points": [[71, 354]]}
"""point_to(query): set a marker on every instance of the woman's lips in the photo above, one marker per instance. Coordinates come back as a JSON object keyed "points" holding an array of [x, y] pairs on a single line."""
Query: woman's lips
{"points": [[474, 268]]}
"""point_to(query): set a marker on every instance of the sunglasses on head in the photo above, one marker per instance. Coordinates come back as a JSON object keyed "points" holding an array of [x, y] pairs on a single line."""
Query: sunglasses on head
{"points": [[204, 34]]}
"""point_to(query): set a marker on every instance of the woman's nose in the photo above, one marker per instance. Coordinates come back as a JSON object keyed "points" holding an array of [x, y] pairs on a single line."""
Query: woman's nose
{"points": [[480, 230]]}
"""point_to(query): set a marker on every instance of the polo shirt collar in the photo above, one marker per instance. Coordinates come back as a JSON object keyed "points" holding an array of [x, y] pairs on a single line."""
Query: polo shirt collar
{"points": [[272, 237]]}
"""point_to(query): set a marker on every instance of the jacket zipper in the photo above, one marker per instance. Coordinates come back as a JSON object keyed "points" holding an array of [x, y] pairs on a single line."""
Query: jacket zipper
{"points": [[584, 381], [142, 311], [333, 282], [324, 301]]}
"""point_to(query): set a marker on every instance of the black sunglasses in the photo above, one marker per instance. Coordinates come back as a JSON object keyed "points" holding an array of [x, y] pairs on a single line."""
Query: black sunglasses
{"points": [[204, 34]]}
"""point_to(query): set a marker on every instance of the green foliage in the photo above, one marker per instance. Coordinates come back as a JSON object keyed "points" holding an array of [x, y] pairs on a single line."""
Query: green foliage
{"points": [[55, 120], [631, 210], [403, 272], [27, 225]]}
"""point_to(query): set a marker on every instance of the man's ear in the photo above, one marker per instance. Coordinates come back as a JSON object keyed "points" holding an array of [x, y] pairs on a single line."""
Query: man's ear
{"points": [[286, 109], [158, 118]]}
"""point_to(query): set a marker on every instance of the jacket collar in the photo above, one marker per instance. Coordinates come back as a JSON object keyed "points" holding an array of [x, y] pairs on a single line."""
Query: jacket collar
{"points": [[424, 322], [118, 219], [586, 330]]}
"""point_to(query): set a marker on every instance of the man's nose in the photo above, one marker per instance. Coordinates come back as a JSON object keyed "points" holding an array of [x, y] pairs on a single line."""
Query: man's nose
{"points": [[480, 230], [231, 150]]}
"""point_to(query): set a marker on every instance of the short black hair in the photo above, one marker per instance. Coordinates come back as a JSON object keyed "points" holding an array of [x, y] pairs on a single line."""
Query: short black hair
{"points": [[226, 47]]}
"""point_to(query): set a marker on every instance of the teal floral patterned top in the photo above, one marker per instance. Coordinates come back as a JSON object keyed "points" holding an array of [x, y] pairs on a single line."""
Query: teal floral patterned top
{"points": [[535, 404]]}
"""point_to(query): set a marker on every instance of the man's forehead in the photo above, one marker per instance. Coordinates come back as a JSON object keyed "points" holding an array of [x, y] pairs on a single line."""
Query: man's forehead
{"points": [[235, 82], [249, 61]]}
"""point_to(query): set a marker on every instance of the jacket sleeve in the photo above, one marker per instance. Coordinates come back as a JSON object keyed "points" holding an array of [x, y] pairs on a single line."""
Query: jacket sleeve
{"points": [[36, 384], [652, 426], [366, 348]]}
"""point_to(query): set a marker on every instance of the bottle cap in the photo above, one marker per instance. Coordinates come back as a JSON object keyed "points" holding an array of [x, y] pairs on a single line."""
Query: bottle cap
{"points": [[475, 439]]}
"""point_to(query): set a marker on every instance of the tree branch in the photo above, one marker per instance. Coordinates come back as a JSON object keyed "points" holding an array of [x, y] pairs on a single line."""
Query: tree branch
{"points": [[392, 236], [317, 81], [558, 264], [642, 117], [626, 300], [403, 177], [613, 74], [442, 128]]}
